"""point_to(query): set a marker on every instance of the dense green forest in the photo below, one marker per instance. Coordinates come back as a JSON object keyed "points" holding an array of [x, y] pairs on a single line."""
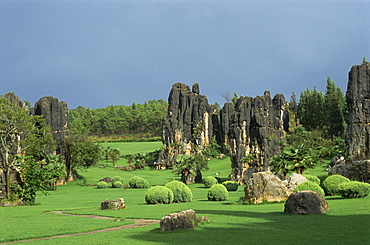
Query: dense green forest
{"points": [[136, 120]]}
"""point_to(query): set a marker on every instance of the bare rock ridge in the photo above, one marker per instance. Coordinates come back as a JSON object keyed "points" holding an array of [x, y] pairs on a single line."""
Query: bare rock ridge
{"points": [[56, 115], [256, 126], [189, 122], [252, 126], [358, 102], [357, 165]]}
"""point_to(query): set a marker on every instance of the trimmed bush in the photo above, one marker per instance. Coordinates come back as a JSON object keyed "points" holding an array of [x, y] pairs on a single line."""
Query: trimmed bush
{"points": [[312, 178], [138, 182], [322, 178], [158, 194], [309, 186], [102, 185], [181, 192], [117, 178], [117, 184], [209, 181], [218, 192], [354, 189], [231, 185], [331, 184]]}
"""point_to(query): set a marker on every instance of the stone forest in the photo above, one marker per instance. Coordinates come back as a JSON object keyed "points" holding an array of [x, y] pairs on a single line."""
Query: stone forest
{"points": [[256, 143]]}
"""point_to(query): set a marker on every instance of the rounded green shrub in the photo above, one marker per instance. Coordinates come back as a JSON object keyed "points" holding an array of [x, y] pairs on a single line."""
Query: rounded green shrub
{"points": [[102, 185], [354, 189], [312, 178], [132, 181], [331, 184], [209, 181], [231, 185], [117, 184], [181, 192], [309, 186], [117, 178], [218, 192], [158, 194], [138, 182]]}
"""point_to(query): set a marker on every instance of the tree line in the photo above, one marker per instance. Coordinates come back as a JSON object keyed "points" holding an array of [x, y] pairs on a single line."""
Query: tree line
{"points": [[137, 119]]}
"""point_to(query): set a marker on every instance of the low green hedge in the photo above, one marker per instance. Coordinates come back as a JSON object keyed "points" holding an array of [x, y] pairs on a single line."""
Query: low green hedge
{"points": [[331, 184], [209, 181], [102, 185], [158, 194], [218, 192], [181, 192], [138, 182], [309, 186], [354, 189], [231, 185], [116, 178], [117, 184]]}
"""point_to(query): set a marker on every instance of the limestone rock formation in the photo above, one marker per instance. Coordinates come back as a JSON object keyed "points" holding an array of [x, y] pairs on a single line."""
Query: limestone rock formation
{"points": [[255, 126], [306, 202], [113, 204], [189, 122], [56, 115], [265, 186], [358, 102], [185, 219], [294, 180], [358, 133], [359, 170]]}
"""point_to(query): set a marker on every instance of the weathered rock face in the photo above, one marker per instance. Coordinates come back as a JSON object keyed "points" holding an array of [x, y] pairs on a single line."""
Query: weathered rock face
{"points": [[358, 101], [359, 170], [113, 204], [185, 219], [264, 186], [254, 126], [189, 122], [294, 180], [56, 115], [306, 202]]}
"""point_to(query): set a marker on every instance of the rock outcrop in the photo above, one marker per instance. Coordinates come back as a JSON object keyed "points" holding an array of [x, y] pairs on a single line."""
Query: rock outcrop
{"points": [[358, 102], [56, 115], [185, 219], [113, 204], [265, 186], [357, 166], [189, 122], [255, 127], [351, 169], [306, 202]]}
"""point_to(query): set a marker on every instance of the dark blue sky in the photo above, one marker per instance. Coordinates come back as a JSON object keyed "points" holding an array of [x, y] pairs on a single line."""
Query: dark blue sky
{"points": [[98, 53]]}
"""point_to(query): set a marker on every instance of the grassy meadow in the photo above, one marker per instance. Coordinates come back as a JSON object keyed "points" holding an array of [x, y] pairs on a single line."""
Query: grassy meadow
{"points": [[348, 221]]}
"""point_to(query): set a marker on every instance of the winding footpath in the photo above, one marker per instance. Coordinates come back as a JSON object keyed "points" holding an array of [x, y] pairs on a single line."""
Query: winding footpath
{"points": [[138, 223]]}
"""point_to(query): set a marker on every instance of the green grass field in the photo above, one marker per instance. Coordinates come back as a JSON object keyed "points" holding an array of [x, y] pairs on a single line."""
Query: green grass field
{"points": [[348, 221]]}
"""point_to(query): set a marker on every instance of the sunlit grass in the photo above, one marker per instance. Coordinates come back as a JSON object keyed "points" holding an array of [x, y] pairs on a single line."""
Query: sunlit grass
{"points": [[348, 221]]}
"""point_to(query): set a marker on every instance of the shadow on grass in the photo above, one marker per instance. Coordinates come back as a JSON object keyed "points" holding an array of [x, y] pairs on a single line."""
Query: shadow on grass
{"points": [[245, 227]]}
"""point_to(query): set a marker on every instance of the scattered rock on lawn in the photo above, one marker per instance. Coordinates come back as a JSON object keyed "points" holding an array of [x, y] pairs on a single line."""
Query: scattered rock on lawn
{"points": [[113, 204], [306, 202], [264, 186], [106, 179], [178, 221], [294, 180]]}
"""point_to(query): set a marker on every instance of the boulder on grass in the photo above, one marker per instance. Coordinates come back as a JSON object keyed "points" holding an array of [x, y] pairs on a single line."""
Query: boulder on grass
{"points": [[265, 186], [294, 180], [178, 221], [306, 202], [113, 204]]}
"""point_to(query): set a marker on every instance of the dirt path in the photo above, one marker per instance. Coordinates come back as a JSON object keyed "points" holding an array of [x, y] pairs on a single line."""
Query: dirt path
{"points": [[138, 223]]}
